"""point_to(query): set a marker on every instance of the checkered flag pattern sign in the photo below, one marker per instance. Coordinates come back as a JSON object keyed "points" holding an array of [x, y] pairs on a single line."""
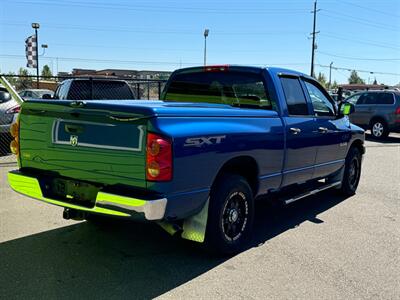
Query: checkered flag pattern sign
{"points": [[31, 51]]}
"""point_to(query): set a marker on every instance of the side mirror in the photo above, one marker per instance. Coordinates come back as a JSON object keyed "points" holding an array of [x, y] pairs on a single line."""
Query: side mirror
{"points": [[346, 108], [47, 96], [4, 96]]}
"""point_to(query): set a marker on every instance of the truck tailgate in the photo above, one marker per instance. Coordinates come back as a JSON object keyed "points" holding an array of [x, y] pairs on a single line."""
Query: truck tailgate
{"points": [[99, 145]]}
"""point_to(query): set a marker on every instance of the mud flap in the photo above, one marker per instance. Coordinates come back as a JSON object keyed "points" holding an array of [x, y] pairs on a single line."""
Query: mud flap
{"points": [[194, 228]]}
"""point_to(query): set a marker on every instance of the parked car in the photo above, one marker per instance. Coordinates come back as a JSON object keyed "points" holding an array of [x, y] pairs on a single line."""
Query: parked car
{"points": [[196, 161], [378, 111], [9, 109], [35, 94], [93, 89]]}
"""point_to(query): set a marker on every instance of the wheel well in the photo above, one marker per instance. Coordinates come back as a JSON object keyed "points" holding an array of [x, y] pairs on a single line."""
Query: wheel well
{"points": [[359, 145], [376, 118], [245, 166]]}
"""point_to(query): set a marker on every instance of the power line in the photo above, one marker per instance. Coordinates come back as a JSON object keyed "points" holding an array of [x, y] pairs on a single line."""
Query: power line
{"points": [[358, 58], [371, 9], [76, 59], [360, 71], [168, 9], [359, 41], [51, 26], [352, 18], [371, 24], [72, 45]]}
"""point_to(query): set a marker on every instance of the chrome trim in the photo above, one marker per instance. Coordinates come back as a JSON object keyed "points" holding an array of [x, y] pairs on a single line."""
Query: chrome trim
{"points": [[320, 189], [152, 209]]}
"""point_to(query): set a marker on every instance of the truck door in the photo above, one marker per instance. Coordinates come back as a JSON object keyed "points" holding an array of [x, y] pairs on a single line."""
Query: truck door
{"points": [[333, 133], [301, 136]]}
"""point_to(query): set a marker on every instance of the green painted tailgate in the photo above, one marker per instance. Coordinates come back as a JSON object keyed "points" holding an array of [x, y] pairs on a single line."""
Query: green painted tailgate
{"points": [[95, 145]]}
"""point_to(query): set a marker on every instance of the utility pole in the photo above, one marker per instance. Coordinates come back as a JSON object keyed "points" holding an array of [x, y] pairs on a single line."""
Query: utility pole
{"points": [[314, 46], [36, 26], [330, 74]]}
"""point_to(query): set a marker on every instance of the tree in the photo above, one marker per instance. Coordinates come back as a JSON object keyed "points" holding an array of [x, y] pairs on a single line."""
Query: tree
{"points": [[12, 79], [334, 85], [322, 79], [375, 82], [355, 79], [46, 72], [24, 81]]}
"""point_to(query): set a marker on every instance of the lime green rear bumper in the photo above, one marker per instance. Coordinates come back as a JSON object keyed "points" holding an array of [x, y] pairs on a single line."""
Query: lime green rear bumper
{"points": [[106, 203]]}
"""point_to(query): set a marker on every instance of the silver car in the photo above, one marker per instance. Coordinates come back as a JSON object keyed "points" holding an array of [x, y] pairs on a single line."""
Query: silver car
{"points": [[9, 109], [378, 111], [35, 94]]}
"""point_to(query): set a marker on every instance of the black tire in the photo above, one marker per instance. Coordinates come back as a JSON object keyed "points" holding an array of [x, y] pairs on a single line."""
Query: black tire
{"points": [[379, 129], [230, 215], [352, 172]]}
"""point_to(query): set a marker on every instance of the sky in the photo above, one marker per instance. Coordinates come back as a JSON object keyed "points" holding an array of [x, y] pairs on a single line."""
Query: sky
{"points": [[166, 35]]}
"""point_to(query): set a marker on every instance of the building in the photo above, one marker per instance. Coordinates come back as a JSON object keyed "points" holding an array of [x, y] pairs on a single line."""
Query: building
{"points": [[120, 73]]}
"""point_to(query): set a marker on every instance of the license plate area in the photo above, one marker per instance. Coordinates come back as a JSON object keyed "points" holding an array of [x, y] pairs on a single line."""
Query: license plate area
{"points": [[72, 191]]}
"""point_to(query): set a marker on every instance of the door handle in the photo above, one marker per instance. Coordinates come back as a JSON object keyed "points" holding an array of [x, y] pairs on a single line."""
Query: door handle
{"points": [[295, 130], [73, 128], [322, 129]]}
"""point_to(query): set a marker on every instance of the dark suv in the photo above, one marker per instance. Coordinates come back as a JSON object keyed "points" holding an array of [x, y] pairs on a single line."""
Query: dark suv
{"points": [[93, 89], [378, 111]]}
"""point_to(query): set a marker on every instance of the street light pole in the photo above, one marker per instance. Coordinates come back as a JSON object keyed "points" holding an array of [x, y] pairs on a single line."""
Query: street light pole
{"points": [[36, 26], [206, 31], [330, 74]]}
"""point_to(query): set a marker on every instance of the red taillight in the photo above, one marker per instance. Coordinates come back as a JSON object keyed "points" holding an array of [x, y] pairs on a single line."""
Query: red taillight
{"points": [[220, 68], [13, 110], [397, 112], [158, 158]]}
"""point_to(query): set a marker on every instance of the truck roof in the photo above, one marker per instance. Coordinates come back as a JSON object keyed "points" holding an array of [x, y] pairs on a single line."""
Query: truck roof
{"points": [[273, 70]]}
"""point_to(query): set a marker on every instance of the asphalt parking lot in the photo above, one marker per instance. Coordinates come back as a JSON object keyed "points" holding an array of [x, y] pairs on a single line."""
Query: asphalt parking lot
{"points": [[323, 247]]}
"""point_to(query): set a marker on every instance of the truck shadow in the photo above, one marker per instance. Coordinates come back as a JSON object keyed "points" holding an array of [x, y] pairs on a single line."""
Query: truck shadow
{"points": [[117, 259]]}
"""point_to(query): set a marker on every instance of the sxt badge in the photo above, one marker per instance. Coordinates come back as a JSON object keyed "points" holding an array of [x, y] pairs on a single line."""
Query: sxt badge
{"points": [[200, 141]]}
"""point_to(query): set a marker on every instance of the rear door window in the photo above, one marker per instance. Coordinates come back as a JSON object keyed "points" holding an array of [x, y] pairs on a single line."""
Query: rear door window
{"points": [[295, 99], [385, 98]]}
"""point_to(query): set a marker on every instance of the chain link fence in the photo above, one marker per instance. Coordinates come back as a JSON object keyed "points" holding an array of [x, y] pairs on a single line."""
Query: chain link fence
{"points": [[68, 88]]}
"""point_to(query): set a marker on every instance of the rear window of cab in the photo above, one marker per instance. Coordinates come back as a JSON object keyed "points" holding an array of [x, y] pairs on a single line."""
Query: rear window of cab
{"points": [[235, 88]]}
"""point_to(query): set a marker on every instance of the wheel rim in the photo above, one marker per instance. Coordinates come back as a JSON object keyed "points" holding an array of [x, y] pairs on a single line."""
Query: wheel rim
{"points": [[234, 216], [377, 129], [354, 172]]}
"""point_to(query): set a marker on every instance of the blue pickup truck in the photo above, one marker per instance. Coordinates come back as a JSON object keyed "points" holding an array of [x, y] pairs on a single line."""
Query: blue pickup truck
{"points": [[194, 161]]}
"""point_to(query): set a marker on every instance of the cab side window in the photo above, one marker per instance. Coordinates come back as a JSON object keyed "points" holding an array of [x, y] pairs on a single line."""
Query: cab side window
{"points": [[295, 99], [323, 107]]}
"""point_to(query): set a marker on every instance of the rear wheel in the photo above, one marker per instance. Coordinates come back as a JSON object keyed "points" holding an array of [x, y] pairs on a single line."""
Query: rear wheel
{"points": [[352, 172], [379, 129], [230, 215]]}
